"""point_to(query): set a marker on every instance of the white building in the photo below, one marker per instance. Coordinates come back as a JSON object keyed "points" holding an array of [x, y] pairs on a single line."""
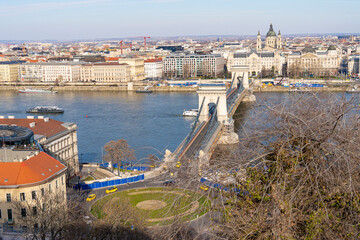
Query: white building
{"points": [[310, 61], [211, 65], [50, 72], [258, 62], [153, 68]]}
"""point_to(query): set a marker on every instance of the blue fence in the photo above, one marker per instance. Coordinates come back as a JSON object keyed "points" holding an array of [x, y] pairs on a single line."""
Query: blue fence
{"points": [[110, 183], [106, 165], [221, 187]]}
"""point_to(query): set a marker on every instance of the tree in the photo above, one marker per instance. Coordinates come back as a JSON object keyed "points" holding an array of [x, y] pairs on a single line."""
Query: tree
{"points": [[298, 173], [47, 216], [118, 151]]}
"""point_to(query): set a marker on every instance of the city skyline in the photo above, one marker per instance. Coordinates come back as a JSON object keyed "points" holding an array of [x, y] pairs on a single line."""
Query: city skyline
{"points": [[97, 19]]}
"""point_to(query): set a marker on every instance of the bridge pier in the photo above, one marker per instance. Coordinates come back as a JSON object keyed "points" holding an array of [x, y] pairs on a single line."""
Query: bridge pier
{"points": [[229, 136]]}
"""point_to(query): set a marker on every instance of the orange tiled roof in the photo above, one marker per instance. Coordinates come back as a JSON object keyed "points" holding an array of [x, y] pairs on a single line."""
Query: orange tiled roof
{"points": [[34, 170], [47, 129], [153, 60]]}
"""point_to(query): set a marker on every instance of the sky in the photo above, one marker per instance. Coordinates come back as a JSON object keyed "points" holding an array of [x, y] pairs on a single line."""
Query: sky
{"points": [[93, 19]]}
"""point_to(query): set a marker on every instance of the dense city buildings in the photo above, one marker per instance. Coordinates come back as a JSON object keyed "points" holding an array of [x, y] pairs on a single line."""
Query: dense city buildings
{"points": [[57, 138], [271, 55]]}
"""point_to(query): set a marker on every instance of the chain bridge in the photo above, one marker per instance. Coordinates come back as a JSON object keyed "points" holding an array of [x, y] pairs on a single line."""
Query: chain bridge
{"points": [[217, 105]]}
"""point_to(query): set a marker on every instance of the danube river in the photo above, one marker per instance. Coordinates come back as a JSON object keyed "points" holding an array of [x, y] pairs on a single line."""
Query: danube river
{"points": [[151, 123]]}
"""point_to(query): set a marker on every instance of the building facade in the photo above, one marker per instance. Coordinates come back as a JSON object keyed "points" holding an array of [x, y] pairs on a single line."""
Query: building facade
{"points": [[210, 65], [311, 62], [354, 64], [50, 72], [153, 68], [136, 67], [27, 176], [9, 71], [110, 72], [58, 139], [259, 63]]}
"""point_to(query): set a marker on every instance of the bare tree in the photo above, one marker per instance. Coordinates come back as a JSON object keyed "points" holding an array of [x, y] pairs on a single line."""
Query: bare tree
{"points": [[297, 175], [47, 216], [118, 152]]}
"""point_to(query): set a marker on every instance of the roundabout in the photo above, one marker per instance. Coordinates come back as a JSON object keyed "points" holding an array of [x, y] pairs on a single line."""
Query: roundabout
{"points": [[156, 206]]}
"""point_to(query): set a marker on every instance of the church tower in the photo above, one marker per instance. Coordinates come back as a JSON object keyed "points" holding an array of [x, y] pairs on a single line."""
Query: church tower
{"points": [[258, 42], [278, 43], [270, 41]]}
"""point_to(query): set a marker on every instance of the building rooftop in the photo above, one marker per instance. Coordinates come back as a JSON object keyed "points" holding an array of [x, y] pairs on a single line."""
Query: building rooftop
{"points": [[45, 127], [35, 170]]}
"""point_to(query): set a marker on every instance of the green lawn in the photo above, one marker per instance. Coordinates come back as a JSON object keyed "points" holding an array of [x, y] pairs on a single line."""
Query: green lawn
{"points": [[177, 203]]}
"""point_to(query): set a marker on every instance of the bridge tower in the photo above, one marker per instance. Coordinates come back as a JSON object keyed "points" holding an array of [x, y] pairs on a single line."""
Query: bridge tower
{"points": [[209, 95], [240, 74]]}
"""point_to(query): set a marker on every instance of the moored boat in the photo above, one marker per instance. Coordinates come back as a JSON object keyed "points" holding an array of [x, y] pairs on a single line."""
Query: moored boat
{"points": [[145, 90], [190, 113], [31, 90], [45, 109]]}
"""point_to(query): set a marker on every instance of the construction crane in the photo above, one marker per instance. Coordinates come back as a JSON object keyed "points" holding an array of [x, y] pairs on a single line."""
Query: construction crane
{"points": [[140, 37], [145, 42], [122, 46]]}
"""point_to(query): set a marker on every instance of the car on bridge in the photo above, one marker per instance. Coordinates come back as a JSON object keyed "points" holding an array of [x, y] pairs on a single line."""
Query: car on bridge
{"points": [[111, 190], [203, 187], [178, 164], [91, 197]]}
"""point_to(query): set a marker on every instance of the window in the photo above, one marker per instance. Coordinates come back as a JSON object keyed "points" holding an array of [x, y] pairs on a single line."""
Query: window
{"points": [[42, 192], [22, 196], [23, 212], [0, 213], [34, 210], [50, 188], [8, 197], [56, 183], [33, 195], [9, 211]]}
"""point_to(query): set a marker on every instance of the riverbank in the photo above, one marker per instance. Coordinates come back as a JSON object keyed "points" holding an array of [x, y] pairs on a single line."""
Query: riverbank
{"points": [[94, 87]]}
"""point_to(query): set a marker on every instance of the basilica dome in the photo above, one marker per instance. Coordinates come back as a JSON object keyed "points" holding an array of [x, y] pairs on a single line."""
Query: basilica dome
{"points": [[271, 32]]}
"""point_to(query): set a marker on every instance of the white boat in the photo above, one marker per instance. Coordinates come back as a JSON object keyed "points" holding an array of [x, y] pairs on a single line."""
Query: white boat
{"points": [[31, 90], [190, 113], [45, 109], [353, 90]]}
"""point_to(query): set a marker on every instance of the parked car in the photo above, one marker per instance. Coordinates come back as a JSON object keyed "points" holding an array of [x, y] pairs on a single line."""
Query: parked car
{"points": [[111, 190], [91, 197], [203, 187], [178, 164]]}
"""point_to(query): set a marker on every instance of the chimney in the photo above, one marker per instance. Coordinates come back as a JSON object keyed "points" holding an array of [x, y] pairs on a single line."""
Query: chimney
{"points": [[32, 124], [46, 119], [2, 117], [30, 117], [11, 117], [40, 117]]}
